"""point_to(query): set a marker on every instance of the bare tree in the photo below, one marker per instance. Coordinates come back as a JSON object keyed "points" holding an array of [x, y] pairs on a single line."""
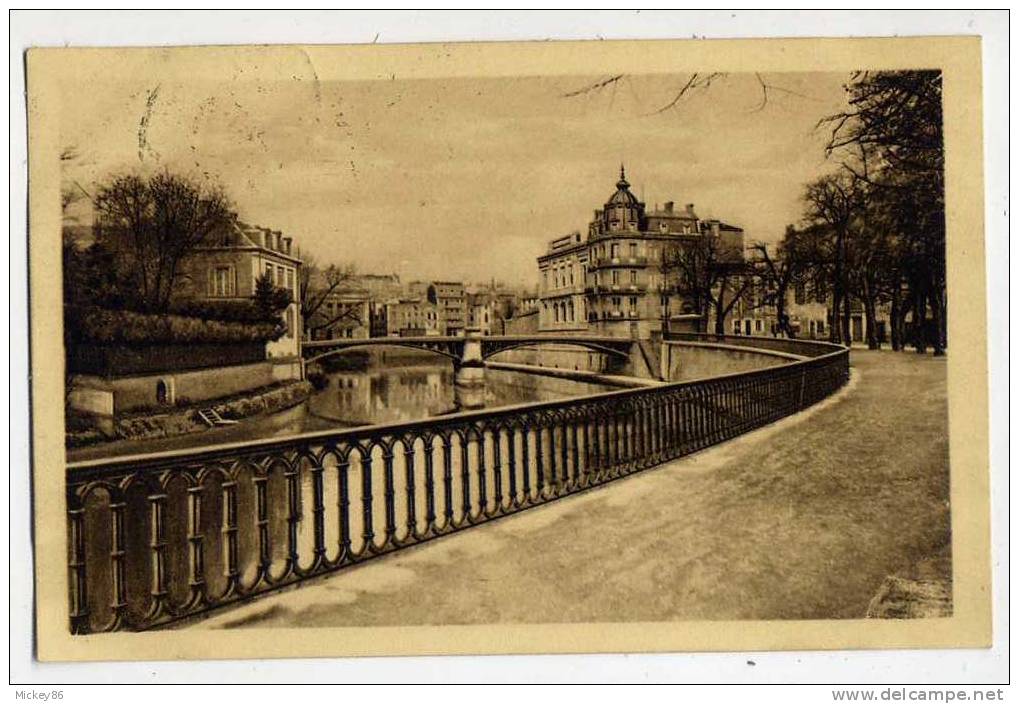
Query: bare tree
{"points": [[151, 224], [71, 191], [891, 138], [831, 200], [775, 274], [694, 83], [318, 284], [710, 273]]}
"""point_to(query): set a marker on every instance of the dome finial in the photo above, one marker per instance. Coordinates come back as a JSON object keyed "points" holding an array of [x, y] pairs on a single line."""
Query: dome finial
{"points": [[622, 184]]}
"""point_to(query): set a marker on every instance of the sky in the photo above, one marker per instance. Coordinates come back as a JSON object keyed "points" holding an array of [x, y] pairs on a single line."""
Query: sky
{"points": [[460, 178]]}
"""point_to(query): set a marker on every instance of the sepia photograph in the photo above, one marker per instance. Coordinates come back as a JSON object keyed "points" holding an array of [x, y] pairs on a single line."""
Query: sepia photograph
{"points": [[570, 347]]}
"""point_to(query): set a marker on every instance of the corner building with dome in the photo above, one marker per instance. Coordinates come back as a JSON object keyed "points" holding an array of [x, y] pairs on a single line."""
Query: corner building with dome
{"points": [[609, 280]]}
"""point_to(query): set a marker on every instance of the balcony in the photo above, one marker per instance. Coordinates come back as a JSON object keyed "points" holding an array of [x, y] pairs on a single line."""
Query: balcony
{"points": [[614, 289], [563, 291], [609, 262], [614, 315]]}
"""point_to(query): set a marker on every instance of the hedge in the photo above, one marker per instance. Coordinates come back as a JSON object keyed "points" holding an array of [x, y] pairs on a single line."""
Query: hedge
{"points": [[106, 326], [239, 311]]}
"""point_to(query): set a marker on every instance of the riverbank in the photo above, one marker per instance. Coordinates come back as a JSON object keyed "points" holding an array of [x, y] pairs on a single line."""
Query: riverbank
{"points": [[83, 431], [803, 519], [392, 393]]}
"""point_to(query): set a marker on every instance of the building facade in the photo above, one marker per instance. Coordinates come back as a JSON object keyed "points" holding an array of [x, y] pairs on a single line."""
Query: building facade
{"points": [[483, 311], [342, 314], [229, 265], [563, 269], [809, 319], [612, 281], [450, 300], [411, 317]]}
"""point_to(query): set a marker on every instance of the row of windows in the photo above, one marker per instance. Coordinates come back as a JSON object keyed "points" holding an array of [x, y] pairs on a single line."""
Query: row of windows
{"points": [[564, 312], [282, 276], [615, 309], [563, 276], [756, 326], [335, 308], [749, 326], [615, 249], [223, 279], [415, 315], [616, 277], [687, 228], [617, 302]]}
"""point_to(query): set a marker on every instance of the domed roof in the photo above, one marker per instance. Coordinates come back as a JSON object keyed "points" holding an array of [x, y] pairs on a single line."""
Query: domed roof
{"points": [[622, 196]]}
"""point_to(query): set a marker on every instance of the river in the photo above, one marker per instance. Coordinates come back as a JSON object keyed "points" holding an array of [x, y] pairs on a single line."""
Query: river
{"points": [[407, 390]]}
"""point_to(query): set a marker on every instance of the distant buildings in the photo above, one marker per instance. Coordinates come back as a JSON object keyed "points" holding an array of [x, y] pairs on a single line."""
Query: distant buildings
{"points": [[809, 319], [611, 281], [378, 287]]}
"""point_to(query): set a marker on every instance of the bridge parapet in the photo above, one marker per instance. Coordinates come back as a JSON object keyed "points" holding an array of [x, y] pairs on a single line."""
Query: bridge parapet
{"points": [[469, 349]]}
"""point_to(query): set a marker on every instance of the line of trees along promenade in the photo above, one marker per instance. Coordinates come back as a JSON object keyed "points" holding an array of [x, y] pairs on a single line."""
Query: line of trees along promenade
{"points": [[874, 228]]}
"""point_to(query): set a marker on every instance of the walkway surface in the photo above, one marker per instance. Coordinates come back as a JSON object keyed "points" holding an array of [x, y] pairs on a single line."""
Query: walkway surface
{"points": [[802, 519]]}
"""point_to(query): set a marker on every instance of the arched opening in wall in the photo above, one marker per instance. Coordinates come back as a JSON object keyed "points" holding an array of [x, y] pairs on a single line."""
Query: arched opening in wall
{"points": [[164, 392], [161, 392]]}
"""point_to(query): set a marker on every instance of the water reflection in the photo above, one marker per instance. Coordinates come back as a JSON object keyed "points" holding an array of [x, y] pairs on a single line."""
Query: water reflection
{"points": [[398, 394]]}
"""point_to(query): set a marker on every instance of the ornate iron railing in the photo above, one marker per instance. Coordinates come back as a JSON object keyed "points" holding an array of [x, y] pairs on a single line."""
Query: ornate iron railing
{"points": [[159, 538]]}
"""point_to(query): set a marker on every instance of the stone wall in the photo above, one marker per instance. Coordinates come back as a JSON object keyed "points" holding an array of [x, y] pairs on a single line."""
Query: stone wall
{"points": [[556, 357], [699, 361], [112, 396], [523, 324]]}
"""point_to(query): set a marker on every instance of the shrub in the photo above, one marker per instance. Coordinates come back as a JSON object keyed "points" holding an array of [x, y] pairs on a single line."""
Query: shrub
{"points": [[232, 310], [107, 326]]}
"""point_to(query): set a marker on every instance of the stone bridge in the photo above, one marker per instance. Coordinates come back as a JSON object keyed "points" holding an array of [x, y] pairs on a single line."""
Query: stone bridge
{"points": [[471, 351]]}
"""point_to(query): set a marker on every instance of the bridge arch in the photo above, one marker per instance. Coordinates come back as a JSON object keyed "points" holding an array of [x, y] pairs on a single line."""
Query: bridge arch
{"points": [[329, 351], [490, 349]]}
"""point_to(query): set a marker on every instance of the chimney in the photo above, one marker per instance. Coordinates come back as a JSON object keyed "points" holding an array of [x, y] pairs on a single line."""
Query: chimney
{"points": [[287, 242], [278, 240], [668, 206], [689, 208]]}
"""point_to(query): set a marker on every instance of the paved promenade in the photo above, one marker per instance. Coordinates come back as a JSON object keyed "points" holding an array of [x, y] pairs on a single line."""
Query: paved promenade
{"points": [[802, 519]]}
